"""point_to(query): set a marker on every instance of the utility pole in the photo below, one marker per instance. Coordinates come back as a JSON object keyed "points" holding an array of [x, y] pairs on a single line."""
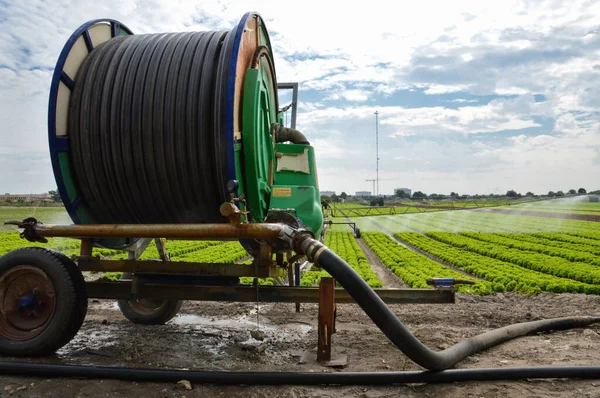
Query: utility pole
{"points": [[377, 150]]}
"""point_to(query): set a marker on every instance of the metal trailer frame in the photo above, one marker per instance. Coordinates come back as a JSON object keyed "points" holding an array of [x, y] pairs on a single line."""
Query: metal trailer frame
{"points": [[267, 263], [176, 280]]}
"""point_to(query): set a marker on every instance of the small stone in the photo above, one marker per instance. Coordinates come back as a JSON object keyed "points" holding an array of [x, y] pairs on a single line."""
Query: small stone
{"points": [[257, 334], [8, 388], [259, 348], [21, 388], [184, 384], [589, 333]]}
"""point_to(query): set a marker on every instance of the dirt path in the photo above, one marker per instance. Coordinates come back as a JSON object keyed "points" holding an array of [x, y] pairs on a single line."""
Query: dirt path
{"points": [[385, 275], [213, 336]]}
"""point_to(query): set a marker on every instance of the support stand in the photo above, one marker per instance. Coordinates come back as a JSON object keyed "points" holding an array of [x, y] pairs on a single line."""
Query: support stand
{"points": [[327, 314]]}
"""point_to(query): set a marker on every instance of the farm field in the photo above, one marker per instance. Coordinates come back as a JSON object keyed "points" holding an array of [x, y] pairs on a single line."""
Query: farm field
{"points": [[572, 205], [501, 252], [524, 254]]}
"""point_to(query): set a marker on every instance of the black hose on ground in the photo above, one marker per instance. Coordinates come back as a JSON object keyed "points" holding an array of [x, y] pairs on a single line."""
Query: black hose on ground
{"points": [[297, 378], [399, 334]]}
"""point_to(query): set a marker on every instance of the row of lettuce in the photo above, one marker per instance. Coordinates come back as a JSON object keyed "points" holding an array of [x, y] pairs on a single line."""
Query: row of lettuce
{"points": [[497, 263], [524, 263]]}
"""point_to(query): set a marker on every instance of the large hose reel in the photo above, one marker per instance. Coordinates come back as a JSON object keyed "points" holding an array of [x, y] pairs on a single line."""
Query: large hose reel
{"points": [[149, 129]]}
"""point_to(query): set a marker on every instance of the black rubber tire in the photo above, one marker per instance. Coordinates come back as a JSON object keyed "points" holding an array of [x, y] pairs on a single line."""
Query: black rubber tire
{"points": [[166, 312], [71, 300], [357, 233]]}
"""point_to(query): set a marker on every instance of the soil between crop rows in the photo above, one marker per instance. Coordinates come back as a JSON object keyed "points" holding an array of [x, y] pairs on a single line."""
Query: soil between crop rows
{"points": [[216, 336]]}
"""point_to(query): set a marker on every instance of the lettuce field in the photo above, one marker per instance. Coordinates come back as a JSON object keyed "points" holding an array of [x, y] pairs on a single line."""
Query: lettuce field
{"points": [[521, 253]]}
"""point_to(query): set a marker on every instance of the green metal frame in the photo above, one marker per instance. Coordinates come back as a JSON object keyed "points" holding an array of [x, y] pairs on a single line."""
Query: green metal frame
{"points": [[259, 112]]}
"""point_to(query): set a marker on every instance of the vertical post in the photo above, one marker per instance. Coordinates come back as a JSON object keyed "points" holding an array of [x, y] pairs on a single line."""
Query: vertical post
{"points": [[294, 104], [297, 280], [86, 248], [377, 149], [326, 318]]}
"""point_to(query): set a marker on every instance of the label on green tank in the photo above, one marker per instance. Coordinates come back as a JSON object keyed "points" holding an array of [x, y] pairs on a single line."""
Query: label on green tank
{"points": [[280, 192]]}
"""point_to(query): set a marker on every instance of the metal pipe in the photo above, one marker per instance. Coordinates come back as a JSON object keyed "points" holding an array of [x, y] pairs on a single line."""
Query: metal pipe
{"points": [[283, 134], [296, 378], [169, 231], [399, 334]]}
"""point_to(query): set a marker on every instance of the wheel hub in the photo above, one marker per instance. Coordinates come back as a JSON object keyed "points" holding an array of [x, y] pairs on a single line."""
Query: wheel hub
{"points": [[27, 302], [146, 307]]}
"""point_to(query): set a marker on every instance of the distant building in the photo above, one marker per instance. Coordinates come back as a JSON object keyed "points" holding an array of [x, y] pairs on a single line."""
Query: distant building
{"points": [[362, 193], [42, 197], [327, 193], [407, 191]]}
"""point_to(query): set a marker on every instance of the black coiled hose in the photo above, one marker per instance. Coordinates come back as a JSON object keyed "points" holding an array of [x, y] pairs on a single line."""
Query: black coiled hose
{"points": [[147, 128]]}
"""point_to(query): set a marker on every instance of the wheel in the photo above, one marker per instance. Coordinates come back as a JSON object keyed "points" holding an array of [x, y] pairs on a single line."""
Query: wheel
{"points": [[148, 311], [357, 233], [43, 301]]}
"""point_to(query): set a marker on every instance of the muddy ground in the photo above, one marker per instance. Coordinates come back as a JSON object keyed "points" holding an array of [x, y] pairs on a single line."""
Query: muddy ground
{"points": [[216, 336]]}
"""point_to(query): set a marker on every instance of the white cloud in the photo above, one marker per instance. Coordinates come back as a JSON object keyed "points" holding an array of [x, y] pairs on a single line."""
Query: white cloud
{"points": [[462, 100], [432, 89], [356, 95], [511, 114]]}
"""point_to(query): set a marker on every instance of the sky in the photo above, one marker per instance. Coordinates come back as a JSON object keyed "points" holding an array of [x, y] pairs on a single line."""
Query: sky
{"points": [[472, 96]]}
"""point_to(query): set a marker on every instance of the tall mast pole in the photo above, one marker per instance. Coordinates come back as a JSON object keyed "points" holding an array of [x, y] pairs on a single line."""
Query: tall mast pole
{"points": [[377, 150]]}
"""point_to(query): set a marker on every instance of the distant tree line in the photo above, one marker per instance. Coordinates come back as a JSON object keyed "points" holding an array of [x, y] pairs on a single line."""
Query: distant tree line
{"points": [[510, 194], [419, 195]]}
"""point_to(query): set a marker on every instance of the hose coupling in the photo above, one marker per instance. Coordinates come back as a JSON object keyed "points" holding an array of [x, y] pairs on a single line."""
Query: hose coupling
{"points": [[29, 231]]}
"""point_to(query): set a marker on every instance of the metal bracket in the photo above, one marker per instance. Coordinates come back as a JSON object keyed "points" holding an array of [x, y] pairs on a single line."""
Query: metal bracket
{"points": [[294, 104], [136, 250], [448, 283]]}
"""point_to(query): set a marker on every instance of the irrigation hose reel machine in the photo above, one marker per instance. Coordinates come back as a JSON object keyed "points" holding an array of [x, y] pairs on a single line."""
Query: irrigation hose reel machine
{"points": [[163, 128], [180, 136], [170, 135]]}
